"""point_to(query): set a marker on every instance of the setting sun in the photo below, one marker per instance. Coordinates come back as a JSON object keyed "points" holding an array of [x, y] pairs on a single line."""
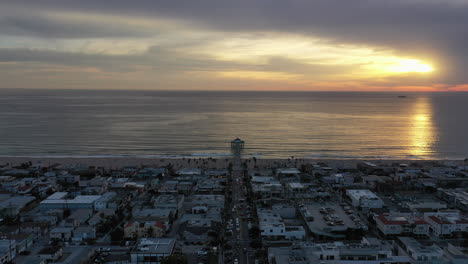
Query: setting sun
{"points": [[410, 66]]}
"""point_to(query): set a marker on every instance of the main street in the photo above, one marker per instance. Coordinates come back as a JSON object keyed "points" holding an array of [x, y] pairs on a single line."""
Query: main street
{"points": [[241, 236]]}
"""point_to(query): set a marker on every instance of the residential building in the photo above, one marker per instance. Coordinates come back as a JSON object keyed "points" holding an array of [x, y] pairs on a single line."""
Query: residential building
{"points": [[7, 250], [364, 199], [445, 223], [369, 251], [58, 200], [272, 227], [419, 252], [139, 229], [454, 197], [84, 233], [13, 205], [152, 250], [61, 233], [398, 224], [51, 254]]}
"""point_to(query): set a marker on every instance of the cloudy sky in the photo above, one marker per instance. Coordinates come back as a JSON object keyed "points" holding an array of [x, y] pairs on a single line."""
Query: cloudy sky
{"points": [[383, 45]]}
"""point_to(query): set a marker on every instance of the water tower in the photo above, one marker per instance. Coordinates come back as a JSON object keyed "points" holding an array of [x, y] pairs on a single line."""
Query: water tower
{"points": [[237, 145]]}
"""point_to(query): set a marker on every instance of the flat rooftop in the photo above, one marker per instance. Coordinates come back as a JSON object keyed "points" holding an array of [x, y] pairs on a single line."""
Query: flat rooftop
{"points": [[208, 197], [262, 179], [167, 198], [17, 201], [189, 171], [362, 193], [413, 245], [80, 199], [155, 245], [288, 171], [57, 195], [333, 218]]}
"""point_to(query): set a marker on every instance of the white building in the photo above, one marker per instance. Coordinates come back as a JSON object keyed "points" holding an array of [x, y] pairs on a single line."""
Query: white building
{"points": [[83, 233], [189, 172], [364, 199], [341, 178], [61, 233], [444, 223], [294, 188], [369, 251], [262, 179], [58, 200], [294, 232], [286, 174], [271, 224], [392, 224], [284, 210], [103, 201], [419, 252], [13, 205], [7, 250], [152, 250], [272, 227], [455, 197], [422, 205], [273, 189]]}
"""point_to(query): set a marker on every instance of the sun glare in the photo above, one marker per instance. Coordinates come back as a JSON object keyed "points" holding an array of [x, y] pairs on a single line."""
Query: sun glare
{"points": [[409, 66]]}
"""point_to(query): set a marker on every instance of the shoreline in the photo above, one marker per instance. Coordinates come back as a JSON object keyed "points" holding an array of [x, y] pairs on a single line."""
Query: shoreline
{"points": [[216, 162]]}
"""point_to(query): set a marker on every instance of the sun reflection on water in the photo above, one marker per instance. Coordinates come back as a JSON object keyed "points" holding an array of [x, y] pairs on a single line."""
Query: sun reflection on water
{"points": [[422, 128]]}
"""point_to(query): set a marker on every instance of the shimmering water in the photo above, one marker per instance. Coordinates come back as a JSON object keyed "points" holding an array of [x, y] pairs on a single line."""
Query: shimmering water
{"points": [[273, 124]]}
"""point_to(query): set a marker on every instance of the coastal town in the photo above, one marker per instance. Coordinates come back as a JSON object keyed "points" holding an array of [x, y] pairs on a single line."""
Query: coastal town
{"points": [[234, 210]]}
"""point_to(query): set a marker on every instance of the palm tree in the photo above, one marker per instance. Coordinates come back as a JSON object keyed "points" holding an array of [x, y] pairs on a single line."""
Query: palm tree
{"points": [[174, 259], [150, 231], [230, 168]]}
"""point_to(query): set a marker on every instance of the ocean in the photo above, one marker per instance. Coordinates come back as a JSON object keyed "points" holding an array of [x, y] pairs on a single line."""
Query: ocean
{"points": [[342, 125]]}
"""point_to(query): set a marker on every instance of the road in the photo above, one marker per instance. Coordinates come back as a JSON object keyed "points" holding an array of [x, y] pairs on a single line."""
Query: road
{"points": [[241, 237], [40, 243]]}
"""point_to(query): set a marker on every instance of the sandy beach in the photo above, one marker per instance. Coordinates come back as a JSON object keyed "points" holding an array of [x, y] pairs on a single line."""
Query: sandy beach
{"points": [[205, 162]]}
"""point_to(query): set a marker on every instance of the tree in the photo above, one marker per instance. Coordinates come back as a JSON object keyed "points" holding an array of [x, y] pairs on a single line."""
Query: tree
{"points": [[213, 234], [256, 244], [174, 259], [170, 169], [117, 234], [10, 220], [254, 231], [303, 168], [66, 213], [160, 177], [305, 178], [150, 231], [50, 191]]}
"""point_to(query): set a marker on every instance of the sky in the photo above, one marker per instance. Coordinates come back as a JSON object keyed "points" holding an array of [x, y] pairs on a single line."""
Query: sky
{"points": [[286, 45]]}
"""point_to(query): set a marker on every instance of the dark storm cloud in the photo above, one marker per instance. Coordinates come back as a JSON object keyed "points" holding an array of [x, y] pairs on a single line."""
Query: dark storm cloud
{"points": [[156, 58], [37, 25], [379, 21], [159, 59]]}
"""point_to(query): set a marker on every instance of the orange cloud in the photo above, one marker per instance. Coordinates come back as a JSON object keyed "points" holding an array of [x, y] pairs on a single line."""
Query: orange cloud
{"points": [[459, 88], [416, 88]]}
